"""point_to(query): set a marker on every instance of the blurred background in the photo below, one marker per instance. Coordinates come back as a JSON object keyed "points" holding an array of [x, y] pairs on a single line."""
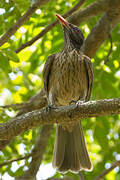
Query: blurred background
{"points": [[21, 78]]}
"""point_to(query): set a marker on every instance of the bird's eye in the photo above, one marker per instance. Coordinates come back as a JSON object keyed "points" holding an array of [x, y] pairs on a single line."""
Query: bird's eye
{"points": [[77, 30]]}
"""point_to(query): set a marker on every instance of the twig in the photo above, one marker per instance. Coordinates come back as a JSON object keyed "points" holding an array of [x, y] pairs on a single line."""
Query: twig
{"points": [[49, 27], [17, 159], [17, 106], [110, 50], [102, 174], [21, 21], [39, 100]]}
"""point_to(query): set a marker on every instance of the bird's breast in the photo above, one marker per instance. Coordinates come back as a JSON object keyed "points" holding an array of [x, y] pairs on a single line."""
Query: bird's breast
{"points": [[68, 80]]}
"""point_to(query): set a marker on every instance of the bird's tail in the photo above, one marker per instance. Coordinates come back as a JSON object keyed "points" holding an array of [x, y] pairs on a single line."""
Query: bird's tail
{"points": [[70, 151]]}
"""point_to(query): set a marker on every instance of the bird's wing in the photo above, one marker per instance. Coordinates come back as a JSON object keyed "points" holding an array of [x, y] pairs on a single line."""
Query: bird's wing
{"points": [[47, 71], [89, 71]]}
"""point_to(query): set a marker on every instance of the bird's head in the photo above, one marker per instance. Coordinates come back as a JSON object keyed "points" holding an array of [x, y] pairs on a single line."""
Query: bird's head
{"points": [[73, 36]]}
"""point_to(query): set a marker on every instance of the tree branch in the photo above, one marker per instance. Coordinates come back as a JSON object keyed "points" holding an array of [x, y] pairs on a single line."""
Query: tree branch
{"points": [[102, 29], [38, 101], [83, 15], [96, 37], [21, 21], [61, 115], [17, 106], [49, 27], [38, 149], [93, 9], [110, 50], [105, 172], [15, 159]]}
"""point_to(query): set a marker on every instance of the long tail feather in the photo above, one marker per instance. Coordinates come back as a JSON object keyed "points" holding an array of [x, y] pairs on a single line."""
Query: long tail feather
{"points": [[70, 151]]}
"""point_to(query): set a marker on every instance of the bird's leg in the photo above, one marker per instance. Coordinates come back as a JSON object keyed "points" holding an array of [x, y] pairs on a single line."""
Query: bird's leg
{"points": [[72, 102], [79, 102], [51, 106]]}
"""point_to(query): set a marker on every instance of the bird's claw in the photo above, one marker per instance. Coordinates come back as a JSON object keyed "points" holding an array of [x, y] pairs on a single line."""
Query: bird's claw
{"points": [[49, 107], [72, 102], [79, 102]]}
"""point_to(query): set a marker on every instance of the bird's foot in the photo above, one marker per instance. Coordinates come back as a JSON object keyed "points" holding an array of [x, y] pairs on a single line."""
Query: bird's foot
{"points": [[79, 102], [72, 102], [49, 107]]}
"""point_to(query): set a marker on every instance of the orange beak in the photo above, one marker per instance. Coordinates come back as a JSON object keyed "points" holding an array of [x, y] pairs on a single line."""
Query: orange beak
{"points": [[63, 21]]}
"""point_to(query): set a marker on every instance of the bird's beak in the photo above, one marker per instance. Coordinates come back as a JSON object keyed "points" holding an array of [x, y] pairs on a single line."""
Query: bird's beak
{"points": [[63, 21]]}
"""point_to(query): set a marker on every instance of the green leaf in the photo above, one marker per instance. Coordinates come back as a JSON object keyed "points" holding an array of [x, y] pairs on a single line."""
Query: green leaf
{"points": [[11, 55], [4, 63]]}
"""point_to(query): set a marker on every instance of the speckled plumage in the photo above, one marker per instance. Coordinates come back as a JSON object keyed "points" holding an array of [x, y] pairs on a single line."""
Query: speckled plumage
{"points": [[68, 76]]}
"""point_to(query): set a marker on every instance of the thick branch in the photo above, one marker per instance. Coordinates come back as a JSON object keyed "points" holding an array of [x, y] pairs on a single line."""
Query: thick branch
{"points": [[93, 9], [105, 172], [97, 36], [49, 27], [61, 115], [21, 21], [38, 150], [102, 29], [38, 101]]}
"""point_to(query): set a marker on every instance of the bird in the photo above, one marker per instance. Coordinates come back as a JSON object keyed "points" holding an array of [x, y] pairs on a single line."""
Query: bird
{"points": [[68, 77]]}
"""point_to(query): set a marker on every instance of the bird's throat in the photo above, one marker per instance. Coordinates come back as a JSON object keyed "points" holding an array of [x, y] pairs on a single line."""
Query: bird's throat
{"points": [[70, 43]]}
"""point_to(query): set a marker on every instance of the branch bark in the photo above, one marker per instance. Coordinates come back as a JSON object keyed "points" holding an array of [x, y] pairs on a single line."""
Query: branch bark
{"points": [[93, 9], [38, 101], [15, 159], [102, 29], [61, 115], [21, 21], [38, 149]]}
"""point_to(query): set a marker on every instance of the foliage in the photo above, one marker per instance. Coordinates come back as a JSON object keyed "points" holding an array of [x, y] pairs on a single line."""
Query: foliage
{"points": [[21, 78]]}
